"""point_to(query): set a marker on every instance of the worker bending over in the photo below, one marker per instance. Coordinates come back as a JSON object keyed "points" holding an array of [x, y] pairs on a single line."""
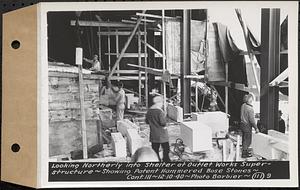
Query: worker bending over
{"points": [[119, 96], [247, 122], [156, 118], [96, 66]]}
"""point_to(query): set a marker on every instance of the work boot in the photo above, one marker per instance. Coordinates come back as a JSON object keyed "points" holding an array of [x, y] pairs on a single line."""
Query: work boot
{"points": [[246, 154]]}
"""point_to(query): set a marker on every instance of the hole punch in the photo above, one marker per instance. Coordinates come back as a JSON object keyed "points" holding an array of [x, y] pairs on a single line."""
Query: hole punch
{"points": [[15, 44], [15, 147]]}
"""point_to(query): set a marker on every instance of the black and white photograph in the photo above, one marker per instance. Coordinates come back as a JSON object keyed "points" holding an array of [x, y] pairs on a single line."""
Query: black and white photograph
{"points": [[168, 85]]}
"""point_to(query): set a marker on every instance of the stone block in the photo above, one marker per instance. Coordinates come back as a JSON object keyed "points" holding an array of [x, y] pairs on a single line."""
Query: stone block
{"points": [[175, 112], [119, 145], [134, 141], [196, 135], [124, 125], [267, 146], [279, 135], [217, 121]]}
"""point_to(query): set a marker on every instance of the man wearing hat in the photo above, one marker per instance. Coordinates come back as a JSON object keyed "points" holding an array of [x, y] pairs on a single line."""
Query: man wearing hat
{"points": [[156, 118], [247, 122]]}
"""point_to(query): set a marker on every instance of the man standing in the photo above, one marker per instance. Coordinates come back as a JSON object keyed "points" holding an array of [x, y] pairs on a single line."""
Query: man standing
{"points": [[247, 122], [156, 118], [119, 95], [96, 66], [281, 124]]}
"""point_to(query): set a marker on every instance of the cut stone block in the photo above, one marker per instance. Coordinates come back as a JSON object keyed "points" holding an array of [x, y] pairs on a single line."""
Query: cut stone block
{"points": [[217, 121], [279, 135], [124, 125], [196, 135], [119, 145], [131, 100], [175, 112], [134, 141], [267, 146]]}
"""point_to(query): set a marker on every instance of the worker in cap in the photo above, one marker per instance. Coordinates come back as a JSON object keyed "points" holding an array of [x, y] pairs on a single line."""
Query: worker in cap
{"points": [[119, 96], [96, 66], [156, 118], [247, 122]]}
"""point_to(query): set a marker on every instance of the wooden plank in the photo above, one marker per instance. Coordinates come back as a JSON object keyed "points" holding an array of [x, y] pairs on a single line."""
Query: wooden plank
{"points": [[82, 109], [119, 33], [128, 54], [155, 16], [175, 113], [73, 114], [143, 20], [146, 65], [140, 64], [217, 121], [102, 24], [196, 136], [119, 145]]}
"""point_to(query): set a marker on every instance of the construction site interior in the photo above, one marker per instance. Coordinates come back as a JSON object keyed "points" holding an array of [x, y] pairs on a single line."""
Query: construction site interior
{"points": [[201, 62]]}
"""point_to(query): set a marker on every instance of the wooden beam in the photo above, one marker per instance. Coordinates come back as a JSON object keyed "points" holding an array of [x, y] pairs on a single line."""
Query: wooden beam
{"points": [[152, 48], [82, 111], [108, 48], [102, 24], [236, 86], [153, 71], [154, 16], [144, 20], [163, 55], [128, 54], [117, 50], [140, 64], [146, 65], [125, 47], [280, 78], [120, 33]]}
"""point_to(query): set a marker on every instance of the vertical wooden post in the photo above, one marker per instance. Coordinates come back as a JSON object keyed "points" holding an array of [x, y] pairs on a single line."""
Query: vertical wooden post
{"points": [[117, 52], [164, 53], [108, 47], [99, 50], [224, 150], [226, 88], [81, 97], [196, 97], [238, 141], [146, 63], [140, 64]]}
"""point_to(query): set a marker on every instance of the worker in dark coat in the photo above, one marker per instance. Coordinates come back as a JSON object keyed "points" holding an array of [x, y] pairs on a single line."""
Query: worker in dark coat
{"points": [[281, 124], [156, 118], [247, 122]]}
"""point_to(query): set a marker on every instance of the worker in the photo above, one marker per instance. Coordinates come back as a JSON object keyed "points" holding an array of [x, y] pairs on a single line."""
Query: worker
{"points": [[281, 124], [156, 118], [96, 66], [144, 154], [247, 122], [120, 99]]}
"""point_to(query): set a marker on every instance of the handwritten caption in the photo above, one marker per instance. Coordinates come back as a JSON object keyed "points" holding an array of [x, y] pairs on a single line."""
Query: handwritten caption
{"points": [[91, 171]]}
